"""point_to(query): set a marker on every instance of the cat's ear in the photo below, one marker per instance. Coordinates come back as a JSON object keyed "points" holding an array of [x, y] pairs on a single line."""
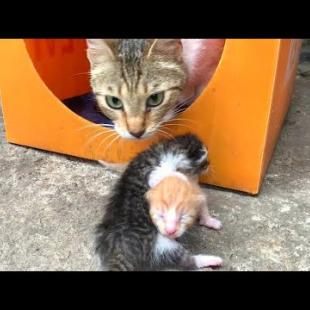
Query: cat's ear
{"points": [[165, 47], [100, 50]]}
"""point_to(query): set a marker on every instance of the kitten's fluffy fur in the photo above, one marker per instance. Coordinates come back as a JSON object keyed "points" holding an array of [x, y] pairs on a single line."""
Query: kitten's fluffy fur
{"points": [[176, 203], [127, 239]]}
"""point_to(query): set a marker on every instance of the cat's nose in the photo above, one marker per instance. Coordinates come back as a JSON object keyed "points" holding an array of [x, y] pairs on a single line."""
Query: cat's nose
{"points": [[137, 134], [170, 230]]}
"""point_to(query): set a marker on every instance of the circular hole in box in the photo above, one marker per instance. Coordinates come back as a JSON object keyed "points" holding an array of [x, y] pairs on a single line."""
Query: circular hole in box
{"points": [[202, 57], [63, 66]]}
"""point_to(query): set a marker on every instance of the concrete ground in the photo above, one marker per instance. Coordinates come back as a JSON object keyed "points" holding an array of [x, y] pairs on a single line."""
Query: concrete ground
{"points": [[50, 204]]}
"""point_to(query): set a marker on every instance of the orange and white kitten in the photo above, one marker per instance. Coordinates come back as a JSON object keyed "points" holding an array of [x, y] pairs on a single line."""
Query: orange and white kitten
{"points": [[176, 202]]}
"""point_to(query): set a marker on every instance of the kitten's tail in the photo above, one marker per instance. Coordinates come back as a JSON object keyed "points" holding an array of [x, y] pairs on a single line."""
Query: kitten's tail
{"points": [[120, 264]]}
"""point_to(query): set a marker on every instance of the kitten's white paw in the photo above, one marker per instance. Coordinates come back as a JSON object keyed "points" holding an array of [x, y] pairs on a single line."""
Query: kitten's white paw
{"points": [[207, 261], [211, 222]]}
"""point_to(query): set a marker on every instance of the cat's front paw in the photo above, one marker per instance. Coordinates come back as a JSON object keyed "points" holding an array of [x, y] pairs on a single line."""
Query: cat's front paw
{"points": [[203, 261], [211, 222]]}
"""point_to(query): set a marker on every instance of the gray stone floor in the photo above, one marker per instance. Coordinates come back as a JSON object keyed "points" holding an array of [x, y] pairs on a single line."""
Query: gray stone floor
{"points": [[49, 205]]}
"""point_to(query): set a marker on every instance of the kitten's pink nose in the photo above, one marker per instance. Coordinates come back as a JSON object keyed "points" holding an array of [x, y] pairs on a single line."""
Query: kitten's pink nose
{"points": [[170, 230]]}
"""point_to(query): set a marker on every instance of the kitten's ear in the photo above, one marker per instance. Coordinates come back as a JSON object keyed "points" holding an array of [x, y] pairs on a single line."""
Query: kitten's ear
{"points": [[149, 195], [100, 49], [166, 47]]}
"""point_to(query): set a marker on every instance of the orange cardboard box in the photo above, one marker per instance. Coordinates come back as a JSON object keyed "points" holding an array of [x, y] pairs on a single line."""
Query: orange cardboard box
{"points": [[239, 115]]}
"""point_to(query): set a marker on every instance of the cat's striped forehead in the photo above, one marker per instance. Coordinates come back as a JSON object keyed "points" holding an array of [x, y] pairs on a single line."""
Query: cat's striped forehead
{"points": [[131, 71]]}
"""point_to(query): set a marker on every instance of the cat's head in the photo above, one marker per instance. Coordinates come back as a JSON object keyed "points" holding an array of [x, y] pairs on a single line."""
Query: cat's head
{"points": [[137, 82], [174, 205]]}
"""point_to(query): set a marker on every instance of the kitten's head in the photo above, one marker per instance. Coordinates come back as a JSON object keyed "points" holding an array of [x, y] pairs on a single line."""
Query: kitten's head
{"points": [[189, 154], [174, 205], [137, 82]]}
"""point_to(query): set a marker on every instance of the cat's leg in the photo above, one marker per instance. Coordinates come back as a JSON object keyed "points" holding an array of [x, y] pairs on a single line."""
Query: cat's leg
{"points": [[171, 253], [203, 261], [113, 166], [206, 219], [188, 261]]}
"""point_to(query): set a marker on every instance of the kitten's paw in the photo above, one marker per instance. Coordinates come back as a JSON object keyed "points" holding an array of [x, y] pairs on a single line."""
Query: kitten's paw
{"points": [[211, 222], [203, 261]]}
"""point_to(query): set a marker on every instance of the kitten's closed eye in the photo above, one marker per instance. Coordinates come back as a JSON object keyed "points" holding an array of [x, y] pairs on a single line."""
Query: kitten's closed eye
{"points": [[158, 216]]}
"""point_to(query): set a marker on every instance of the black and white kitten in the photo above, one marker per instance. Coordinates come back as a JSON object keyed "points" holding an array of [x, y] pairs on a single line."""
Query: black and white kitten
{"points": [[127, 239]]}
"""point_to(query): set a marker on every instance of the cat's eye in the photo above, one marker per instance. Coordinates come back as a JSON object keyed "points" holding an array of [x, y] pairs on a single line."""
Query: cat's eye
{"points": [[114, 102], [155, 100]]}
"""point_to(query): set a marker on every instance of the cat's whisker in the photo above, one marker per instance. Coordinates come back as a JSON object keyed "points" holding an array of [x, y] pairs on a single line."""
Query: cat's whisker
{"points": [[184, 119], [106, 125], [111, 143], [82, 73], [99, 130], [105, 139], [178, 112], [166, 133], [169, 133], [178, 119], [92, 138], [90, 134], [176, 125], [161, 133], [94, 125], [118, 142]]}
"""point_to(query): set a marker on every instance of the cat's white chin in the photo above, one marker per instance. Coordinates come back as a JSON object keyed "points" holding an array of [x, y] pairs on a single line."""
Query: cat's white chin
{"points": [[125, 134], [131, 137]]}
